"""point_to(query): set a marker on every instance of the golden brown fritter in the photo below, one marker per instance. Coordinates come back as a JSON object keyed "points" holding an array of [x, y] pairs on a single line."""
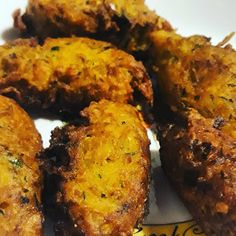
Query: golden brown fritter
{"points": [[124, 23], [105, 170], [20, 183], [198, 152], [200, 161], [67, 74], [193, 73]]}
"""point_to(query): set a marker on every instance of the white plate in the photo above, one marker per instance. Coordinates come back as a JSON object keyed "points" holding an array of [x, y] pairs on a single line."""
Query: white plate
{"points": [[213, 18]]}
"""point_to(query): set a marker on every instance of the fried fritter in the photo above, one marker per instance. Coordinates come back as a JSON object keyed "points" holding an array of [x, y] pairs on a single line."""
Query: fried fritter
{"points": [[67, 74], [104, 167], [125, 23], [200, 161], [198, 153], [20, 183], [193, 73]]}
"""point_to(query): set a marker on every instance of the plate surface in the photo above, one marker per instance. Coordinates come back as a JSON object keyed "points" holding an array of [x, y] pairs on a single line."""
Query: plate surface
{"points": [[212, 18]]}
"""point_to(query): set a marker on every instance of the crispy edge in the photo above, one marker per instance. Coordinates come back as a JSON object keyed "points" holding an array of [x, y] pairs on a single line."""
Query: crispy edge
{"points": [[26, 145], [200, 162], [59, 99], [60, 145], [127, 30]]}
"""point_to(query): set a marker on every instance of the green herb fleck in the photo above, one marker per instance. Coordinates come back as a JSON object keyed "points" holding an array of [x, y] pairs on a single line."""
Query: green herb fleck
{"points": [[231, 85], [24, 200], [55, 48], [84, 196], [99, 176], [103, 195], [16, 162], [197, 46], [226, 99], [130, 153]]}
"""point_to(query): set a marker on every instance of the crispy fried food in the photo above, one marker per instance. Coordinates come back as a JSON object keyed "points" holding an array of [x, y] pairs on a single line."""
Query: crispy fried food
{"points": [[124, 23], [67, 74], [20, 184], [198, 155], [105, 170], [193, 73], [200, 161]]}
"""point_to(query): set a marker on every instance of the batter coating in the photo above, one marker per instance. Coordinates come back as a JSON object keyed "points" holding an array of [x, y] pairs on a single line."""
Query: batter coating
{"points": [[194, 73], [65, 75], [20, 178], [104, 167], [198, 152], [200, 161], [125, 23]]}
